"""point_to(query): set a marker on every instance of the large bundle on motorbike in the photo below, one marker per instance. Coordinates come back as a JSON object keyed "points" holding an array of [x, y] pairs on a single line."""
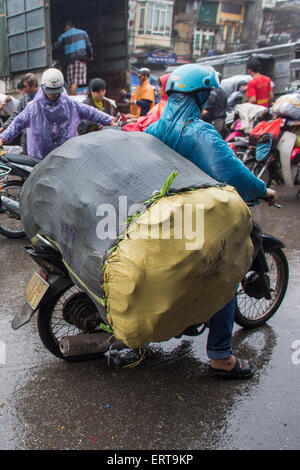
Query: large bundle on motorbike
{"points": [[249, 113], [155, 242], [287, 106]]}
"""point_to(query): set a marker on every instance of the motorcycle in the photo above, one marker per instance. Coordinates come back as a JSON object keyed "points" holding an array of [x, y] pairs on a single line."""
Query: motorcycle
{"points": [[276, 158], [71, 327], [237, 138], [21, 167]]}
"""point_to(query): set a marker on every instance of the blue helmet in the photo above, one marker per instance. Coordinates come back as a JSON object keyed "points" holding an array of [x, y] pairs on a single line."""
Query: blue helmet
{"points": [[191, 78]]}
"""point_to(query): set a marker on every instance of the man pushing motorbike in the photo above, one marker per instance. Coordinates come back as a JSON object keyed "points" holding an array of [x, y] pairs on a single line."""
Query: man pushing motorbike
{"points": [[52, 117], [181, 128]]}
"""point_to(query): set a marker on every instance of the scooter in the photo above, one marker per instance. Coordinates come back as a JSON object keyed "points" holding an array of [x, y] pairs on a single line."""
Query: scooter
{"points": [[237, 137], [72, 328], [277, 159], [21, 167]]}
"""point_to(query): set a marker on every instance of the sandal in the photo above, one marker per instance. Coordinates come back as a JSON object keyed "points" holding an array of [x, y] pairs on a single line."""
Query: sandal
{"points": [[242, 370]]}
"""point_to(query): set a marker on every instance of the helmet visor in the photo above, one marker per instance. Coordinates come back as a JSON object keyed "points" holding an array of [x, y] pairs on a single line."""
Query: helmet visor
{"points": [[202, 96], [53, 91]]}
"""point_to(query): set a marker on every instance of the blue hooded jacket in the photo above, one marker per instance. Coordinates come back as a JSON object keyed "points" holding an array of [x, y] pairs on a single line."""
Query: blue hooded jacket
{"points": [[181, 129]]}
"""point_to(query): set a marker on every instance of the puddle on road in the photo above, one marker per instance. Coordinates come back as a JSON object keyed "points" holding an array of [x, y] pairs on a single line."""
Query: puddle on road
{"points": [[166, 402]]}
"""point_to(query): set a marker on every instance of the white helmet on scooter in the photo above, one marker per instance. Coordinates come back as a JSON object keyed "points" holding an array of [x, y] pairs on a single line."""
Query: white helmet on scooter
{"points": [[53, 81]]}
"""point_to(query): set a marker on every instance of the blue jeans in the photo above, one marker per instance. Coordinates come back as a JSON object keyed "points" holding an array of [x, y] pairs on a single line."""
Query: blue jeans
{"points": [[220, 332]]}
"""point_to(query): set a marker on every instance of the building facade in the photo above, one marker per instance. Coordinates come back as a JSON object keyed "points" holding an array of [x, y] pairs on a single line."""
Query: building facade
{"points": [[180, 31], [230, 20], [208, 27], [150, 32]]}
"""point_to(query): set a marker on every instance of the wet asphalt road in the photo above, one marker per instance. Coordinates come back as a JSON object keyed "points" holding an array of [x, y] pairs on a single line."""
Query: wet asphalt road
{"points": [[168, 401]]}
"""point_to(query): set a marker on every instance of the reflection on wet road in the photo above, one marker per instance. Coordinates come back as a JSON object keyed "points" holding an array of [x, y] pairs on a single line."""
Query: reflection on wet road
{"points": [[168, 401]]}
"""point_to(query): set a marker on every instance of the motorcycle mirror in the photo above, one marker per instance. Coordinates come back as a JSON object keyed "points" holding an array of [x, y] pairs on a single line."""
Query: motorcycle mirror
{"points": [[264, 147]]}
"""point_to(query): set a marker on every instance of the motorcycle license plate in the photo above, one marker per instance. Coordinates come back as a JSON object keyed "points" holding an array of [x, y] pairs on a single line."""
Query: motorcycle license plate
{"points": [[35, 290]]}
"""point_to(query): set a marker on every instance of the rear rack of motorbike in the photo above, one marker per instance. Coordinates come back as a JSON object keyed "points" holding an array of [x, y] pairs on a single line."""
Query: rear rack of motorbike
{"points": [[46, 242]]}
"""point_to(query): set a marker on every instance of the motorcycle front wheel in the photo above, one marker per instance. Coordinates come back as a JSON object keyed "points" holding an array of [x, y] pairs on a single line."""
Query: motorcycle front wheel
{"points": [[252, 312], [67, 314], [266, 176], [10, 223], [249, 162]]}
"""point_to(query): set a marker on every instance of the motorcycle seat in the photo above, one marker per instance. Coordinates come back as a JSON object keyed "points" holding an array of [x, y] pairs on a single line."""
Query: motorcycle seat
{"points": [[21, 159]]}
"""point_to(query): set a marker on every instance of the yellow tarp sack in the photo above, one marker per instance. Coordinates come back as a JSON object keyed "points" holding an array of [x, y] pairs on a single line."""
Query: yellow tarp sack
{"points": [[179, 263]]}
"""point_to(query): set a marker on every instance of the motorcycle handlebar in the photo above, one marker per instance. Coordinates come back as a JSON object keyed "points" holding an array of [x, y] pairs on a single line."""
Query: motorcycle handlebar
{"points": [[269, 199], [266, 199], [290, 124]]}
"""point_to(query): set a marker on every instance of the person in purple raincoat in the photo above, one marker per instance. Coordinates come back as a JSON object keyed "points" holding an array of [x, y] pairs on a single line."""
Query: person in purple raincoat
{"points": [[52, 117]]}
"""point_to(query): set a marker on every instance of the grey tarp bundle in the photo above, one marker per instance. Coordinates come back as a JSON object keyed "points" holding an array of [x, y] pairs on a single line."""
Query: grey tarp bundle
{"points": [[61, 197]]}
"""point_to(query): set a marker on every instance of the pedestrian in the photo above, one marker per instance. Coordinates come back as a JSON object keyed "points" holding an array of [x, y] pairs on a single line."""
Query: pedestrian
{"points": [[52, 117], [154, 114], [29, 84], [181, 128], [238, 96], [143, 99], [259, 90], [77, 50], [214, 111], [97, 99], [20, 88]]}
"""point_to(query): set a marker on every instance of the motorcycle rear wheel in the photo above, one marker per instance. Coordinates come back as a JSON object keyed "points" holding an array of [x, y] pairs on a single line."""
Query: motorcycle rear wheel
{"points": [[251, 312], [53, 325], [10, 223]]}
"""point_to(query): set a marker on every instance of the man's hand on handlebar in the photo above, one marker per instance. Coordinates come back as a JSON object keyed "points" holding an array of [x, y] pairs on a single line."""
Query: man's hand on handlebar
{"points": [[1, 143], [271, 196]]}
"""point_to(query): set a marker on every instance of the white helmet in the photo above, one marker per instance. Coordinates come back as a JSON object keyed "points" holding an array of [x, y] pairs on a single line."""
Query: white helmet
{"points": [[53, 80]]}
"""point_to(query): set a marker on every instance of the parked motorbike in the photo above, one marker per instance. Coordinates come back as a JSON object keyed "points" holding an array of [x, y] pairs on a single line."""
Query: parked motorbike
{"points": [[71, 327], [276, 158], [20, 167], [238, 138]]}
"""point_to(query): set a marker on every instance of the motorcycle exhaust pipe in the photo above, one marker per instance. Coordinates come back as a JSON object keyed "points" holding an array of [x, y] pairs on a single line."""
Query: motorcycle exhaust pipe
{"points": [[89, 344], [10, 204]]}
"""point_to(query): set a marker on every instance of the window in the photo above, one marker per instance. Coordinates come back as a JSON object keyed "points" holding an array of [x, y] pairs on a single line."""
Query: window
{"points": [[228, 38], [203, 41], [236, 33], [231, 8], [142, 18], [191, 7], [155, 18], [197, 41]]}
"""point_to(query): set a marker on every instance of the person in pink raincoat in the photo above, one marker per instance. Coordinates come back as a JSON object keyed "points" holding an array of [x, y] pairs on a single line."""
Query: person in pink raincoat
{"points": [[154, 114]]}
